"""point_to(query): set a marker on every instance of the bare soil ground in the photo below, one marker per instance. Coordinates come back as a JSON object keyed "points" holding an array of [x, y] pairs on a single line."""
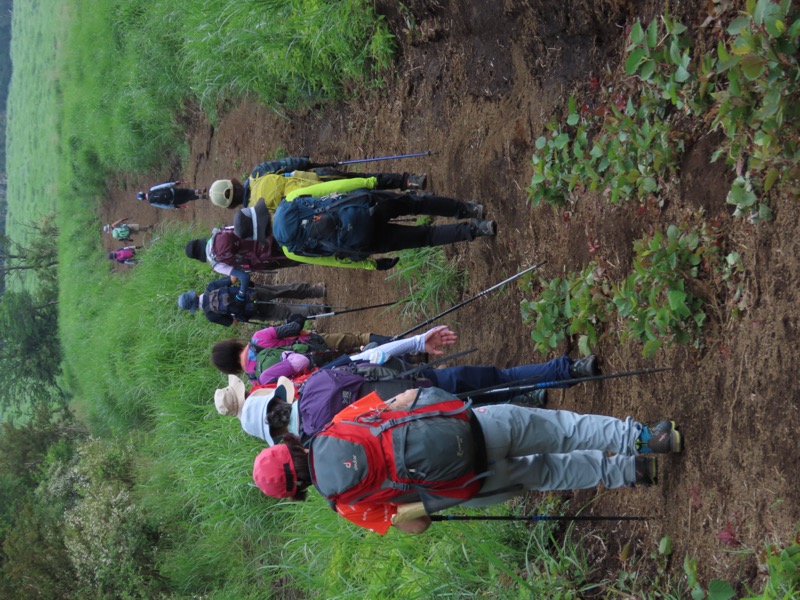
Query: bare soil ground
{"points": [[476, 81]]}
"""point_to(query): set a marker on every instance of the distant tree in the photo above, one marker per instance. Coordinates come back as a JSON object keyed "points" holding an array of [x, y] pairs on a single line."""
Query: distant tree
{"points": [[39, 255], [30, 352]]}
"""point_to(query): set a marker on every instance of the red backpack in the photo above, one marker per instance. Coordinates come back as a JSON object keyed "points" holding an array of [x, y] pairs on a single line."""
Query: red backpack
{"points": [[370, 453]]}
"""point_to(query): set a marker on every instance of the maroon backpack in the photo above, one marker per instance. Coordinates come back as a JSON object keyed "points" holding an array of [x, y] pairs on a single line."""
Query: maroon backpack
{"points": [[228, 248]]}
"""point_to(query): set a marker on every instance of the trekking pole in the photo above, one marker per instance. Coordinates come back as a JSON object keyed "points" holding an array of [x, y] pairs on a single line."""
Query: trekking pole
{"points": [[551, 384], [349, 310], [422, 367], [290, 304], [363, 160], [538, 518], [467, 301]]}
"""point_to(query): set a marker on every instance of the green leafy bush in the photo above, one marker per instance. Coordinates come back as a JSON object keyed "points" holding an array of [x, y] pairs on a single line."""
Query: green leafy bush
{"points": [[759, 110], [656, 304], [632, 154], [578, 304]]}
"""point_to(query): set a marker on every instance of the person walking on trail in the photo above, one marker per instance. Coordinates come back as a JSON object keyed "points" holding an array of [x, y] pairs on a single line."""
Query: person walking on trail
{"points": [[122, 230], [170, 196], [394, 463], [272, 180], [286, 350], [342, 223], [232, 255], [323, 394], [125, 255], [220, 305]]}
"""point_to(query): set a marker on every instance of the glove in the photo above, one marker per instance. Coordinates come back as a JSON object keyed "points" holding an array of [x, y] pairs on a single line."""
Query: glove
{"points": [[299, 319], [384, 264]]}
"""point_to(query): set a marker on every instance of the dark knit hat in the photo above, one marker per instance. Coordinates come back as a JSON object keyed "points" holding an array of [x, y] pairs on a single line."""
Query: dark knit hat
{"points": [[196, 249]]}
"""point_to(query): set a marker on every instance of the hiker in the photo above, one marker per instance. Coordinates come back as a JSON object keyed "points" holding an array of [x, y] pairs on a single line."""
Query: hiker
{"points": [[125, 255], [122, 231], [272, 180], [284, 350], [342, 223], [394, 463], [232, 255], [169, 195], [325, 392], [220, 305]]}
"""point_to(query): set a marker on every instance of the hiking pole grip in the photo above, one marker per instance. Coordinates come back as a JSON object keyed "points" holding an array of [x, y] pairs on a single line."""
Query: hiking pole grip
{"points": [[409, 512]]}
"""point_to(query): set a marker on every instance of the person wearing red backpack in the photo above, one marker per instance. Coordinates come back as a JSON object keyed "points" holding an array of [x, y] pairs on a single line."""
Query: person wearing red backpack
{"points": [[394, 463]]}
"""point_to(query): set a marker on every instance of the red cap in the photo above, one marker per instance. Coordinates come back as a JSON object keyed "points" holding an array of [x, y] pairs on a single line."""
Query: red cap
{"points": [[274, 472]]}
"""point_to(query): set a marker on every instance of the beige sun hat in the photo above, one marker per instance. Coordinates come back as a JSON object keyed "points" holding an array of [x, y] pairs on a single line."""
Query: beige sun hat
{"points": [[221, 192], [229, 400]]}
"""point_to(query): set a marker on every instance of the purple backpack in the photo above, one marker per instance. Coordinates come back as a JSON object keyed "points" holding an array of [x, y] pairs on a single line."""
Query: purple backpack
{"points": [[324, 394], [327, 391]]}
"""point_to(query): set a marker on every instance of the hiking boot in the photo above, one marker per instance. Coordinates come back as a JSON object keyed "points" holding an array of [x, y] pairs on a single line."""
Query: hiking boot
{"points": [[646, 470], [584, 367], [471, 210], [661, 438], [481, 228], [415, 182], [532, 399]]}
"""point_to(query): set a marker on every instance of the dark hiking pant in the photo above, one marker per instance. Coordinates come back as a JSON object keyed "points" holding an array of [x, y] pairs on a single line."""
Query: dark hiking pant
{"points": [[459, 380], [182, 196], [389, 237], [280, 312]]}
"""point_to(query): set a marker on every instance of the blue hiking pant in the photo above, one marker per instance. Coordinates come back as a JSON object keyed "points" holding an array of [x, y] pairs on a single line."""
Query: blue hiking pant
{"points": [[459, 380]]}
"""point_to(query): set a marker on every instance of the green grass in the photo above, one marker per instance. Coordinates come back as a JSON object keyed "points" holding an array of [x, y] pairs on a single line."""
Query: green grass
{"points": [[134, 70], [32, 128], [429, 279]]}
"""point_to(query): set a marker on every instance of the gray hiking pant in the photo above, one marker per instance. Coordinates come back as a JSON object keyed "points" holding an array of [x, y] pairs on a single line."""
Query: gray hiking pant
{"points": [[280, 312], [537, 449]]}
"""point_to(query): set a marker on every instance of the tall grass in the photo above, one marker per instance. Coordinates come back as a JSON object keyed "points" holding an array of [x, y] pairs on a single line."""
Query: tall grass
{"points": [[430, 280], [133, 70], [32, 130]]}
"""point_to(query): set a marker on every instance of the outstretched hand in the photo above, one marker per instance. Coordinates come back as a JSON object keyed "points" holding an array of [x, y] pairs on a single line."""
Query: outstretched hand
{"points": [[437, 337]]}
